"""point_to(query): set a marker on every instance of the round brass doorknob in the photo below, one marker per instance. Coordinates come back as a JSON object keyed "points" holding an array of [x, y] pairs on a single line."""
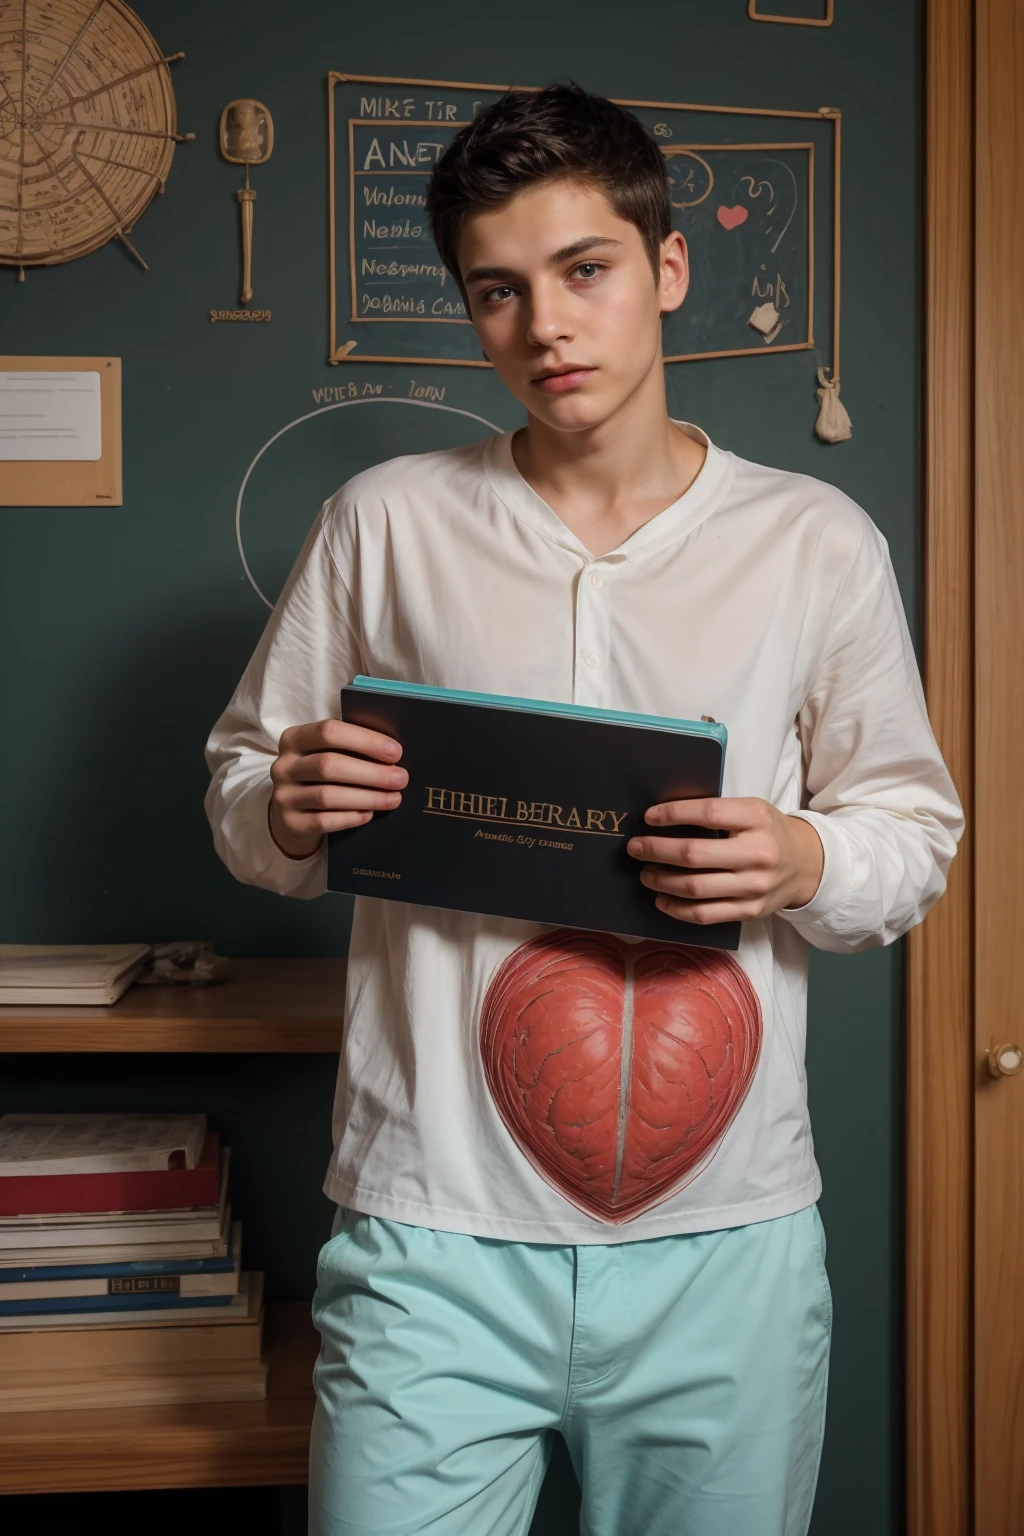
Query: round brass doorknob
{"points": [[1005, 1060]]}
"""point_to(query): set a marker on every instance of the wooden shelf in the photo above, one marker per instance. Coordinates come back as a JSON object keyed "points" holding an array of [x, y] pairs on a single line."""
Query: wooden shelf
{"points": [[192, 1445], [265, 1005]]}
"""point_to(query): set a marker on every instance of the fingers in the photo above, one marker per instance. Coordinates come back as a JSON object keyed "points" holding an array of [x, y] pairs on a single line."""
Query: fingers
{"points": [[339, 768], [712, 880], [742, 886], [312, 828], [340, 736], [330, 776], [300, 833], [322, 753], [695, 852], [727, 815], [706, 913], [334, 797], [302, 814], [702, 887]]}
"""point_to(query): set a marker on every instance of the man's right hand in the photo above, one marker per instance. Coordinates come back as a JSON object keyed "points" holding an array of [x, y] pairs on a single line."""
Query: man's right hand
{"points": [[327, 777]]}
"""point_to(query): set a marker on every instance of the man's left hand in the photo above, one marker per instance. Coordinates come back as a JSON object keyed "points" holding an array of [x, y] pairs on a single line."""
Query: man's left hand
{"points": [[767, 861]]}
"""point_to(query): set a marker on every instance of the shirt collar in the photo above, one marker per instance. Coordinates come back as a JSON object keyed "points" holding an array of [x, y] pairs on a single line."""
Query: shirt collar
{"points": [[672, 523]]}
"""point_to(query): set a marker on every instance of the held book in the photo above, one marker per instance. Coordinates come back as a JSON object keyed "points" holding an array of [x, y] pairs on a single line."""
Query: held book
{"points": [[522, 808]]}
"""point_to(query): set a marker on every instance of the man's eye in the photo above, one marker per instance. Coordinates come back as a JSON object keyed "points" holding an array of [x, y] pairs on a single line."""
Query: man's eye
{"points": [[498, 295], [588, 270]]}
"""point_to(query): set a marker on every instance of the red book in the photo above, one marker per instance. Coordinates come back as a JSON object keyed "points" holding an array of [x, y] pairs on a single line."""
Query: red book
{"points": [[74, 1194]]}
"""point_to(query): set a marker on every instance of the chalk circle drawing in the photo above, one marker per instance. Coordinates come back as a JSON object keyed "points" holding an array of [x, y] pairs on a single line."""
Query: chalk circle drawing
{"points": [[690, 177], [425, 405]]}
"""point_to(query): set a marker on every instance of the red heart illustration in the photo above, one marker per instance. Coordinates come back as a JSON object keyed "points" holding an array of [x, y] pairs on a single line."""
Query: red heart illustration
{"points": [[617, 1068], [731, 218]]}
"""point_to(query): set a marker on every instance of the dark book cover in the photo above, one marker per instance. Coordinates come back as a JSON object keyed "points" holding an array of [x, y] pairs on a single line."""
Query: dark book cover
{"points": [[522, 808]]}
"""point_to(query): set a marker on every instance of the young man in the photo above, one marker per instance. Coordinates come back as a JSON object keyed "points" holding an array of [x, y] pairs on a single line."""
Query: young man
{"points": [[665, 1308]]}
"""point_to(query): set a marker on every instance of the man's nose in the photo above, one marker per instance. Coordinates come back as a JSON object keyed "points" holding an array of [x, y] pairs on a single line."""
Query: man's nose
{"points": [[548, 320]]}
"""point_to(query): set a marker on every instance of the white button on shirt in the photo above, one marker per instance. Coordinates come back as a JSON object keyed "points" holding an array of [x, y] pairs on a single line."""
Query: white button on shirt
{"points": [[761, 598]]}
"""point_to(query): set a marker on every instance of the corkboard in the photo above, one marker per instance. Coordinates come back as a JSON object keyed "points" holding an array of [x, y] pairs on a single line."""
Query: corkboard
{"points": [[70, 482]]}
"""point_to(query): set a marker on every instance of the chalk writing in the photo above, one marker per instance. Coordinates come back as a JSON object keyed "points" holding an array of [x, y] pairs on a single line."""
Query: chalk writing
{"points": [[427, 391], [360, 389], [395, 270], [239, 314], [350, 390]]}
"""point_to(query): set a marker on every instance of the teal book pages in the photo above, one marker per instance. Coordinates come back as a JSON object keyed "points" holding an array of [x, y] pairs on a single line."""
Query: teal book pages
{"points": [[522, 808]]}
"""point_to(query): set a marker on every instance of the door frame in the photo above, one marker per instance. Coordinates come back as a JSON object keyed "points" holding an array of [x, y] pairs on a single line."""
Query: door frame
{"points": [[940, 967]]}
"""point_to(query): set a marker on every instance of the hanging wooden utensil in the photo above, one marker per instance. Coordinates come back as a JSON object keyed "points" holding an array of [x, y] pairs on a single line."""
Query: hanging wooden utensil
{"points": [[246, 138]]}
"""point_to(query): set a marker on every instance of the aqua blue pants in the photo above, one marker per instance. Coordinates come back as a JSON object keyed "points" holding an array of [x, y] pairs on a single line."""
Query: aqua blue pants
{"points": [[687, 1375]]}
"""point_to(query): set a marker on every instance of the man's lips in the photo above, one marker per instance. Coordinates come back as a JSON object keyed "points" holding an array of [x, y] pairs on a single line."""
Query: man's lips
{"points": [[557, 383]]}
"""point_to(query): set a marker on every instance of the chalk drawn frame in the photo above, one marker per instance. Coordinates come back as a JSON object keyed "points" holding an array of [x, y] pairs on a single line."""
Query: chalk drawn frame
{"points": [[354, 318], [795, 21], [787, 346], [346, 353]]}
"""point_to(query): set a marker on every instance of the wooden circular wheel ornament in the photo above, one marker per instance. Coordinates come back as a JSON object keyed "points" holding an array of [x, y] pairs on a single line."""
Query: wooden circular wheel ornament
{"points": [[87, 127]]}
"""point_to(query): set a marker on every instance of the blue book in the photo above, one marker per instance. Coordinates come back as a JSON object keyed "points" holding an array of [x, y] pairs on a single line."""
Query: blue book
{"points": [[142, 1269], [522, 808], [129, 1302]]}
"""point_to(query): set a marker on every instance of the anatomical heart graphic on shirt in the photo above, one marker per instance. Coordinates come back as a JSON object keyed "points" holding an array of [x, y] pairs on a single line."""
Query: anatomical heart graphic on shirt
{"points": [[617, 1068]]}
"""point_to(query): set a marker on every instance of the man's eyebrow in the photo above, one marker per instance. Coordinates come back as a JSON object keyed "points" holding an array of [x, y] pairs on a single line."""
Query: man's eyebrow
{"points": [[556, 259], [497, 273], [578, 247]]}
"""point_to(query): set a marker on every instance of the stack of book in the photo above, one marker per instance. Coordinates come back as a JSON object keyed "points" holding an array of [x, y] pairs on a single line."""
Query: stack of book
{"points": [[120, 1267], [59, 975]]}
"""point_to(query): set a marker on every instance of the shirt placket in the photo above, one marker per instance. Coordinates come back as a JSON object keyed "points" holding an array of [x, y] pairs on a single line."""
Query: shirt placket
{"points": [[591, 670]]}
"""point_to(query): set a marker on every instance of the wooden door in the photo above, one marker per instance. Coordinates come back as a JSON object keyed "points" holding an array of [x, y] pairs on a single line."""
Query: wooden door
{"points": [[965, 1126], [999, 773]]}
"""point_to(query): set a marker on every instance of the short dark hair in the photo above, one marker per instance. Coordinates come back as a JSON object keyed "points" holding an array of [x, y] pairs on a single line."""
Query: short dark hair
{"points": [[561, 132]]}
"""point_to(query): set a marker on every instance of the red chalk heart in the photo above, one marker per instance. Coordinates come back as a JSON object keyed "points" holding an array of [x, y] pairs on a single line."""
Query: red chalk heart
{"points": [[617, 1068], [731, 218]]}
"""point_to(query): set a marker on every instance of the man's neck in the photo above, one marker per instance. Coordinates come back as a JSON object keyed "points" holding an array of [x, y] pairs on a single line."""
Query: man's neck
{"points": [[606, 482]]}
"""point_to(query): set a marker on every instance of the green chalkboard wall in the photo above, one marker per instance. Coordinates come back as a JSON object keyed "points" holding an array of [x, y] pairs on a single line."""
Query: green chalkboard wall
{"points": [[124, 630]]}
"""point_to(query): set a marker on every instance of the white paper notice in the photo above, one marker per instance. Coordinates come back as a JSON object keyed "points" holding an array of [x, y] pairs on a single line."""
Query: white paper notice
{"points": [[49, 415]]}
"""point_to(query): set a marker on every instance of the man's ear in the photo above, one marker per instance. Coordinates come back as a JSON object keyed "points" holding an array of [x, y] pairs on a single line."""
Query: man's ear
{"points": [[674, 272]]}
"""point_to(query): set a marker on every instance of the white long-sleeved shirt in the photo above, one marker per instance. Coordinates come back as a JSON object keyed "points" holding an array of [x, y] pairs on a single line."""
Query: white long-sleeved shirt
{"points": [[761, 598]]}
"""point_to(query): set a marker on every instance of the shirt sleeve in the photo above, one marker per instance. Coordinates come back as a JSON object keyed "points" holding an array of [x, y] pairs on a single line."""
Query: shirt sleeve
{"points": [[877, 791], [309, 650]]}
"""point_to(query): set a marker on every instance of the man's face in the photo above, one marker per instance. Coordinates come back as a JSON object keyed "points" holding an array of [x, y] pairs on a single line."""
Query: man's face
{"points": [[564, 301]]}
